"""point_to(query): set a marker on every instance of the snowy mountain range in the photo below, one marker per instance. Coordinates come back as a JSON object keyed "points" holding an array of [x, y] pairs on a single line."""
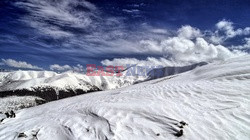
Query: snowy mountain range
{"points": [[52, 86], [208, 102]]}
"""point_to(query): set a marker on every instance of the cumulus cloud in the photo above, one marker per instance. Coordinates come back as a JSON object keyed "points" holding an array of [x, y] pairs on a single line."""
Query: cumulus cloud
{"points": [[188, 32], [187, 47], [151, 46], [180, 49], [60, 68], [56, 67], [93, 33], [149, 61], [244, 46], [19, 64], [78, 68], [226, 30]]}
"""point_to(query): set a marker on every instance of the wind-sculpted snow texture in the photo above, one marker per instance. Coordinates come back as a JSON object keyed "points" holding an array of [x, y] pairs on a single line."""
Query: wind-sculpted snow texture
{"points": [[209, 102]]}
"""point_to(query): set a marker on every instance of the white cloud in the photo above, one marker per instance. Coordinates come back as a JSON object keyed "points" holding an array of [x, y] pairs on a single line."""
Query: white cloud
{"points": [[150, 61], [188, 32], [19, 64], [78, 68], [100, 34], [226, 30], [159, 31], [151, 46], [180, 52], [215, 38], [246, 31], [86, 27], [187, 47], [185, 50], [52, 31], [131, 10], [56, 67], [49, 16], [244, 46]]}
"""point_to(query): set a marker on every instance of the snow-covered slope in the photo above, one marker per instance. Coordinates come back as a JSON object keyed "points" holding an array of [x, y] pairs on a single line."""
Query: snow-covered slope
{"points": [[214, 100]]}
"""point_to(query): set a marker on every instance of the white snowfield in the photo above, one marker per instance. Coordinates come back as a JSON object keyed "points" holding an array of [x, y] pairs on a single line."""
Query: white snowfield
{"points": [[214, 101]]}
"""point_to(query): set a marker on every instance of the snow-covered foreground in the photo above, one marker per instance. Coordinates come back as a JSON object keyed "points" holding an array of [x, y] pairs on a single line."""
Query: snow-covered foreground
{"points": [[214, 100]]}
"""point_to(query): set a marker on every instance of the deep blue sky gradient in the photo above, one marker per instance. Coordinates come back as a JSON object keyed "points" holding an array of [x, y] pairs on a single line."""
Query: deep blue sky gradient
{"points": [[21, 42]]}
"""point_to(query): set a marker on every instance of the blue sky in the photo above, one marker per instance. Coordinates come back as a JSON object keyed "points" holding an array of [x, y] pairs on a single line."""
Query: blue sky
{"points": [[64, 35]]}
